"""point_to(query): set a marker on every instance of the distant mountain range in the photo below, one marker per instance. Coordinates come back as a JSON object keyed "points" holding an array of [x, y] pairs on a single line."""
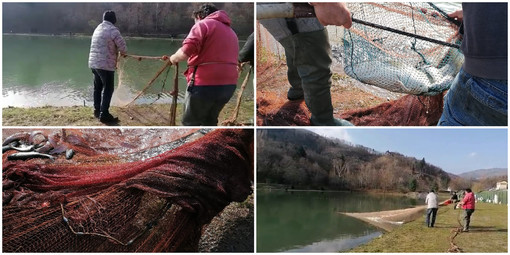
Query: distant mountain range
{"points": [[484, 173]]}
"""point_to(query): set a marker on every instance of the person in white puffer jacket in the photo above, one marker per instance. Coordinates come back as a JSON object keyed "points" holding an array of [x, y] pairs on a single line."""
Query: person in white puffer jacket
{"points": [[106, 43]]}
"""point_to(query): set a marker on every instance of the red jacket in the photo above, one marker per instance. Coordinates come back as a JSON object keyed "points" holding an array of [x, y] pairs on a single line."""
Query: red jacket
{"points": [[213, 46], [468, 202]]}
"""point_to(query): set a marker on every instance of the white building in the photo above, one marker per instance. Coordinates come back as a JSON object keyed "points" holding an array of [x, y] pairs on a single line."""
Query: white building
{"points": [[502, 185]]}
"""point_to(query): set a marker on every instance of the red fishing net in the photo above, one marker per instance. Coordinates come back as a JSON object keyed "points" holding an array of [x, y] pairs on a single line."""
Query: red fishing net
{"points": [[152, 205], [409, 110]]}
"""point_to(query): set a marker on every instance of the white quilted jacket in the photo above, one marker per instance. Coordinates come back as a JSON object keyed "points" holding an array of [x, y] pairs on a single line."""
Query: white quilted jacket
{"points": [[105, 45]]}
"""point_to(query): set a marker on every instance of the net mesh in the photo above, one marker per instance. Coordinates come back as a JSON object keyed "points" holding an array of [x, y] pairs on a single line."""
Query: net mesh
{"points": [[396, 62], [136, 72], [152, 205]]}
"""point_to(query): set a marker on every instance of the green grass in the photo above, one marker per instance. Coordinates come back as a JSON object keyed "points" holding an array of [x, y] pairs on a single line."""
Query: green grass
{"points": [[138, 115], [488, 233]]}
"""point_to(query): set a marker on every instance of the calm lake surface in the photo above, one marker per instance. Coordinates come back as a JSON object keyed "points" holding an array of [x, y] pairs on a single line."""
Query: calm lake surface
{"points": [[53, 70], [308, 221]]}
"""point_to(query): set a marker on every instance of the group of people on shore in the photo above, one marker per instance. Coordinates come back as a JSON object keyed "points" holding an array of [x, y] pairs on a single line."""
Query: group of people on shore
{"points": [[211, 50], [478, 95], [467, 204]]}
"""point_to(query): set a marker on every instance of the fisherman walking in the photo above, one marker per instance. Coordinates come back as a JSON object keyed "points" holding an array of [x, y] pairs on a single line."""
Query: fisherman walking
{"points": [[468, 205], [455, 200], [211, 49], [106, 43], [431, 201]]}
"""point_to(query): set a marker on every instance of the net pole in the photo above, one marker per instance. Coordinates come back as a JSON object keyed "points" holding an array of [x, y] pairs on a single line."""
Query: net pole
{"points": [[406, 33], [173, 108], [232, 120]]}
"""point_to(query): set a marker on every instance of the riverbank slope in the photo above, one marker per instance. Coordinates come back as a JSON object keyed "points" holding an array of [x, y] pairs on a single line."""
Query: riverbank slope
{"points": [[488, 233], [138, 115]]}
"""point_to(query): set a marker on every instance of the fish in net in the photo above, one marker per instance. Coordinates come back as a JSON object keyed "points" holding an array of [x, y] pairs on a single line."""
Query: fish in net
{"points": [[152, 205], [410, 48]]}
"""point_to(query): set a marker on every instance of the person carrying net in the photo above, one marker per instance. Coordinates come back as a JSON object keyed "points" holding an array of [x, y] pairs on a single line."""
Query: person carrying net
{"points": [[308, 56], [211, 49], [478, 96], [105, 45]]}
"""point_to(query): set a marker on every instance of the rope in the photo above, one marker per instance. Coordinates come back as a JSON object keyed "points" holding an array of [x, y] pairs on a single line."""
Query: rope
{"points": [[140, 57], [148, 226], [232, 120], [453, 234]]}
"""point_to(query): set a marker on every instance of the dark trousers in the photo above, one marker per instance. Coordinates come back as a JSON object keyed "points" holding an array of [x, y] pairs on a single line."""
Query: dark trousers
{"points": [[203, 104], [467, 218], [431, 217], [103, 89]]}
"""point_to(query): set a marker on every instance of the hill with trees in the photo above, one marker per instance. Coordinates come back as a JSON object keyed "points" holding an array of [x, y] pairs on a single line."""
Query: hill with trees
{"points": [[302, 158], [135, 19], [484, 173]]}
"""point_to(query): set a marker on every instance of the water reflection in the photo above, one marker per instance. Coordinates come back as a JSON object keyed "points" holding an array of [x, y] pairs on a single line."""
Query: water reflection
{"points": [[309, 221], [48, 70]]}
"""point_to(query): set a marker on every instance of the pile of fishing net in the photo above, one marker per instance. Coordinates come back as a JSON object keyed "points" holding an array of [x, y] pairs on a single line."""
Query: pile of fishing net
{"points": [[153, 204], [408, 110], [410, 48]]}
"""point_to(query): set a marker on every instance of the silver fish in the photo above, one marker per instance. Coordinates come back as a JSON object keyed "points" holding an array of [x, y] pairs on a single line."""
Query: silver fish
{"points": [[425, 80], [28, 155], [69, 153]]}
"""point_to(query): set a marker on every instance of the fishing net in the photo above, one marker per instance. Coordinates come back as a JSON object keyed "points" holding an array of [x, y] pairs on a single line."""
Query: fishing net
{"points": [[146, 85], [144, 80], [151, 205], [149, 83], [383, 48], [408, 110]]}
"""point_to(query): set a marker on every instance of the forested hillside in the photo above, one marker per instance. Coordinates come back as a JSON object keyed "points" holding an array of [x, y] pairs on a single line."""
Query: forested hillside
{"points": [[301, 158], [137, 19]]}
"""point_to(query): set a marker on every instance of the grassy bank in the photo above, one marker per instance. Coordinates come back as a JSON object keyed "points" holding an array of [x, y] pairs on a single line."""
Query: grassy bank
{"points": [[138, 115], [488, 233]]}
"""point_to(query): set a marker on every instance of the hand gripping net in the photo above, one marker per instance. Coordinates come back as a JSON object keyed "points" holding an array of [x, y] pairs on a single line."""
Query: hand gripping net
{"points": [[402, 63], [153, 205]]}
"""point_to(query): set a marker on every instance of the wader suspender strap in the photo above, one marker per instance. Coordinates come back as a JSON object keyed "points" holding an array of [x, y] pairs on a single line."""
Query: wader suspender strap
{"points": [[192, 81], [292, 25]]}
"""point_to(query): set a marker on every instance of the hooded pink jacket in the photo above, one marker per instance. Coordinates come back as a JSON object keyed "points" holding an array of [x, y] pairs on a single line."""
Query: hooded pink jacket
{"points": [[468, 201], [212, 46]]}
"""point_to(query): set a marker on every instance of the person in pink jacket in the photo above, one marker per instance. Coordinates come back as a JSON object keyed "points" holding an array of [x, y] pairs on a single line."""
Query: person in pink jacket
{"points": [[468, 204], [211, 49]]}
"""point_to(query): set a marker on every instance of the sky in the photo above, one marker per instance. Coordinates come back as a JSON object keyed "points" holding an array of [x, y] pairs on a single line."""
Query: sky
{"points": [[454, 150]]}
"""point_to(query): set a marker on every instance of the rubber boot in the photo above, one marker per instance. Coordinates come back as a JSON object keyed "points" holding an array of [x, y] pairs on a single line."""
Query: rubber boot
{"points": [[313, 62], [296, 91]]}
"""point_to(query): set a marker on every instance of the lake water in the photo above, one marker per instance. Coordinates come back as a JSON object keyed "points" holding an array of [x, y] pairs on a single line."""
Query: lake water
{"points": [[309, 221], [53, 70]]}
